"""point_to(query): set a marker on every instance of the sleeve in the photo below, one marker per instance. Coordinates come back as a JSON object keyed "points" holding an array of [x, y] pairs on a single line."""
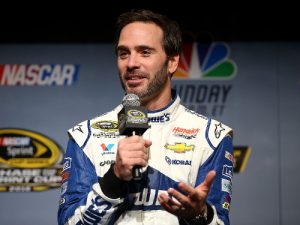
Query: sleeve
{"points": [[82, 201], [219, 197]]}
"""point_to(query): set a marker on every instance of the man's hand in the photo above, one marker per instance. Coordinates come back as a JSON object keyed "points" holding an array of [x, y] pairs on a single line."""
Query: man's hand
{"points": [[132, 151], [190, 205]]}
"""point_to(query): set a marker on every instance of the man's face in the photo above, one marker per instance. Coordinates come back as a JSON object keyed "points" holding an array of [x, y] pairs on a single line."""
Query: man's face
{"points": [[142, 62]]}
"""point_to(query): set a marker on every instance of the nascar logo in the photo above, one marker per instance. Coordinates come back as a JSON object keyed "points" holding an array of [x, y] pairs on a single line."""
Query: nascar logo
{"points": [[41, 75]]}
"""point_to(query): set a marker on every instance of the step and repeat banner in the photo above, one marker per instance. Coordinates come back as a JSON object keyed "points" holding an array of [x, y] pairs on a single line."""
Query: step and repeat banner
{"points": [[45, 89]]}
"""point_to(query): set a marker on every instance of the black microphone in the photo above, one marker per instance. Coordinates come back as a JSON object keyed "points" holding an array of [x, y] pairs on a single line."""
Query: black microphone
{"points": [[133, 120]]}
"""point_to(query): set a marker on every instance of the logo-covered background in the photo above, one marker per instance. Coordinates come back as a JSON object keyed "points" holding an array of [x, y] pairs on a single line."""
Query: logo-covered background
{"points": [[252, 87]]}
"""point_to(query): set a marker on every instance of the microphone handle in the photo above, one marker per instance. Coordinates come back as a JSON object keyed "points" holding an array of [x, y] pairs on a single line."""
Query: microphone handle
{"points": [[137, 173], [137, 170]]}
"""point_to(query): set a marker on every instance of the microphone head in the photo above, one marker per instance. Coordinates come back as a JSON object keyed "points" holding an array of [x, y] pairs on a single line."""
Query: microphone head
{"points": [[132, 118], [131, 100]]}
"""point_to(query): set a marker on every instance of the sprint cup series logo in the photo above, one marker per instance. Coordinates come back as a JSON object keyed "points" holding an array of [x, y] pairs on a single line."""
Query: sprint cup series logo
{"points": [[136, 116], [29, 161]]}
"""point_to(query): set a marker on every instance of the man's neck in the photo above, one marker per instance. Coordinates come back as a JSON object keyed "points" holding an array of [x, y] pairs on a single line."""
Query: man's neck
{"points": [[159, 101]]}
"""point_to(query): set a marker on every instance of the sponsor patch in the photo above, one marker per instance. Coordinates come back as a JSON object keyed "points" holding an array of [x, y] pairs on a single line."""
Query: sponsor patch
{"points": [[106, 135], [106, 162], [179, 147], [62, 201], [185, 133], [160, 119], [107, 149], [65, 176], [106, 125], [229, 156], [226, 205], [227, 186], [178, 161], [67, 163], [63, 188], [227, 171]]}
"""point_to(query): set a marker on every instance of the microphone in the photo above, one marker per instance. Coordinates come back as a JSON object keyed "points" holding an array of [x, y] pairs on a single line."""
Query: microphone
{"points": [[133, 120]]}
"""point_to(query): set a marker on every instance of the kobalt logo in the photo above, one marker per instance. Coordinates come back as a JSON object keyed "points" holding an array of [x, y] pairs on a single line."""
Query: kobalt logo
{"points": [[178, 161]]}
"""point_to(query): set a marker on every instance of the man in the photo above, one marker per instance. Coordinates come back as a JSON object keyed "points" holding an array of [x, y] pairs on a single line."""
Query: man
{"points": [[186, 158]]}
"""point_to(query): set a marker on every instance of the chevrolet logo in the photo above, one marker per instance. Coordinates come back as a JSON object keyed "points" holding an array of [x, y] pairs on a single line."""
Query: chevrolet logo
{"points": [[180, 147]]}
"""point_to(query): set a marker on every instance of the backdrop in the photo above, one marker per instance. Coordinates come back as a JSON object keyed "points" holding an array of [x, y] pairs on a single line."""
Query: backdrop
{"points": [[252, 87]]}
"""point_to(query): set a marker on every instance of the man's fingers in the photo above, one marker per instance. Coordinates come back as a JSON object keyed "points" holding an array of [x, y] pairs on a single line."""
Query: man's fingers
{"points": [[209, 179], [178, 198], [186, 188], [148, 143], [168, 203], [193, 192]]}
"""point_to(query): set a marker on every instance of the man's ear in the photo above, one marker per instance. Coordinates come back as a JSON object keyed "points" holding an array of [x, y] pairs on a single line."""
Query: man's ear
{"points": [[173, 64]]}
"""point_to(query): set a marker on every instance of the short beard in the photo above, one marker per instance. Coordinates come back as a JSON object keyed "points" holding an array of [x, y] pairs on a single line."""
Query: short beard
{"points": [[155, 86]]}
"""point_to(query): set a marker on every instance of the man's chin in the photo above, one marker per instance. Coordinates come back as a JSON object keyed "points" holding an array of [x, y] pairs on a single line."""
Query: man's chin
{"points": [[134, 90]]}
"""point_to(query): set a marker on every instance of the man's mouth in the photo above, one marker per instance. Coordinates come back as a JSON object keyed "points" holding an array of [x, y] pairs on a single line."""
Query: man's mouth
{"points": [[134, 80]]}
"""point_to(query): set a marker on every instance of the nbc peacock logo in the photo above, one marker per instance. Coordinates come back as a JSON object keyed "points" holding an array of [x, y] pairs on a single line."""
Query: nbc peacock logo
{"points": [[206, 61]]}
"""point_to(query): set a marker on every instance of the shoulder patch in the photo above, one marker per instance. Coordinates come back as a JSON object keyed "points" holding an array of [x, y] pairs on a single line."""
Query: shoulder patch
{"points": [[83, 131], [80, 132], [216, 131]]}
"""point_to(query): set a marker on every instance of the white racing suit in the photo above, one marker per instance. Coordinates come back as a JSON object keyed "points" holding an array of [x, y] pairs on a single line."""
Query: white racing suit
{"points": [[185, 146]]}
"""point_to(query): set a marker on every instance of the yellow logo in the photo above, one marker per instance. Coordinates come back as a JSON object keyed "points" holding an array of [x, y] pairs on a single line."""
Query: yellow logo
{"points": [[226, 205], [106, 125], [27, 149], [29, 161], [179, 147], [241, 156], [136, 114]]}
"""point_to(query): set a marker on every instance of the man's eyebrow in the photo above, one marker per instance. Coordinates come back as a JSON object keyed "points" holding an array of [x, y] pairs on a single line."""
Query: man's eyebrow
{"points": [[138, 48], [143, 47], [121, 47]]}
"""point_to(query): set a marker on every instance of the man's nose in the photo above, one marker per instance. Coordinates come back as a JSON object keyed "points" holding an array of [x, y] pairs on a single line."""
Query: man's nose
{"points": [[133, 61]]}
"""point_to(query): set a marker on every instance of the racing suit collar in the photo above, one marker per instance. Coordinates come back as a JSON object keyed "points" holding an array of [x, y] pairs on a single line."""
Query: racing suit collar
{"points": [[165, 114]]}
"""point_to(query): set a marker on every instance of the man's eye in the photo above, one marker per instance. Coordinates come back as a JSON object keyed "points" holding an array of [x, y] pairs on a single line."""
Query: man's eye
{"points": [[123, 55], [145, 53]]}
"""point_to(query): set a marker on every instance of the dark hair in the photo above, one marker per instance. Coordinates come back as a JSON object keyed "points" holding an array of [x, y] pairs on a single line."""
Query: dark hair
{"points": [[171, 32]]}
